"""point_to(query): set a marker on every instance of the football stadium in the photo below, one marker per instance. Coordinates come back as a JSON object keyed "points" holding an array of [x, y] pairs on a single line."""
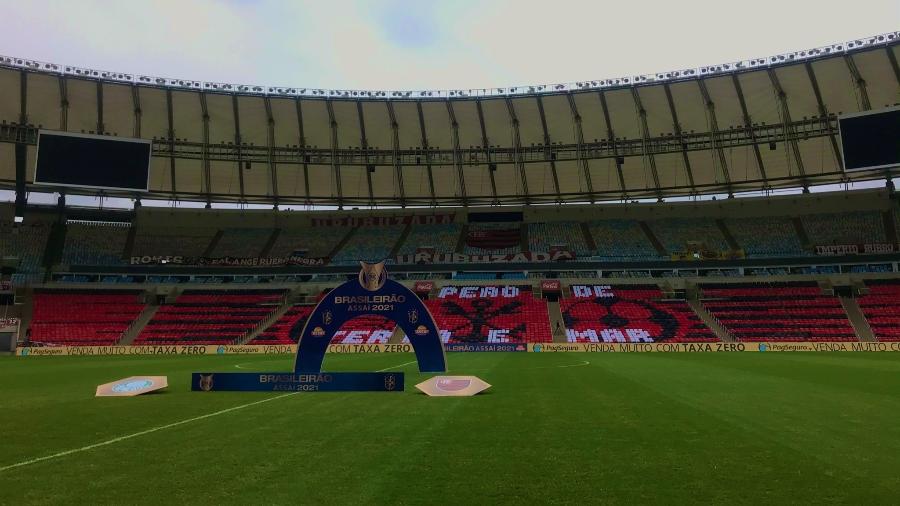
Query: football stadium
{"points": [[679, 286]]}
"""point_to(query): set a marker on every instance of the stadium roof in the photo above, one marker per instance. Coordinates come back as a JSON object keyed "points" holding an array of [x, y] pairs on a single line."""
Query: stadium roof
{"points": [[753, 125]]}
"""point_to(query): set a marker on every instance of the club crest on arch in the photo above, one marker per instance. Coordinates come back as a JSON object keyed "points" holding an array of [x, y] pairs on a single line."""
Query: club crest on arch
{"points": [[372, 276]]}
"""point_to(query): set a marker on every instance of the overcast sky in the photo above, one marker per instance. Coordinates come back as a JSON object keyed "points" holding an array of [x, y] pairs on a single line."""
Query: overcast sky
{"points": [[422, 44]]}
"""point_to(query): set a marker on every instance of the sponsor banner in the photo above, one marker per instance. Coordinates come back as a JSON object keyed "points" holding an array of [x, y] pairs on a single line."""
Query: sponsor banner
{"points": [[75, 351], [460, 258], [9, 324], [550, 285], [423, 286], [384, 221], [480, 347], [855, 249], [229, 261], [709, 347], [297, 382]]}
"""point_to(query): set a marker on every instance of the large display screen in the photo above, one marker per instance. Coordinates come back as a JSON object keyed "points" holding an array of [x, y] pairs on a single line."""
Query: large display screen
{"points": [[92, 161], [871, 140]]}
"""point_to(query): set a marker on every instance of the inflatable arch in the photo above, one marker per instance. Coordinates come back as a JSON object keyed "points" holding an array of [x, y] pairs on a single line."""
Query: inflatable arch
{"points": [[371, 294]]}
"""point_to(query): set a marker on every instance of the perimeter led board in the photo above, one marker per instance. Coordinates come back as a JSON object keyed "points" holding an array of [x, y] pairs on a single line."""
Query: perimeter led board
{"points": [[870, 140], [92, 161]]}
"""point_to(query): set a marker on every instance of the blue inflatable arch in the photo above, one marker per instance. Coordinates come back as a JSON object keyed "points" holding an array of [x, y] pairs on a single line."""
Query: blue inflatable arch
{"points": [[374, 295]]}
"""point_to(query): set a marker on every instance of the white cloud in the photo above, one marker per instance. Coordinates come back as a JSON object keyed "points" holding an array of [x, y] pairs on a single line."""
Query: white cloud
{"points": [[417, 44]]}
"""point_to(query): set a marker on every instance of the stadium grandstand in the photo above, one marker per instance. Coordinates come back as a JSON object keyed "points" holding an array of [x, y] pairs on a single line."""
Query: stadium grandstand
{"points": [[701, 207]]}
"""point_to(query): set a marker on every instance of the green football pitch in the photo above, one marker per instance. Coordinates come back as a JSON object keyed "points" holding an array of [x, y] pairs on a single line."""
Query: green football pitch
{"points": [[554, 428]]}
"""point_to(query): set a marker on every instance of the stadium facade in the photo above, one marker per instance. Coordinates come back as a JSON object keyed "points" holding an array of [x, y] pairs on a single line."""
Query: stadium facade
{"points": [[459, 175], [753, 125]]}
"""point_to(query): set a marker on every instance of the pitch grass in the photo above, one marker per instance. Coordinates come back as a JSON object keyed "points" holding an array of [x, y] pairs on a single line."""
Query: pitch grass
{"points": [[628, 428]]}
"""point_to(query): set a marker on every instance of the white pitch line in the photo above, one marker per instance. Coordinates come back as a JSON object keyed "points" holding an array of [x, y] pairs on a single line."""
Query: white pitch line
{"points": [[141, 433], [157, 429], [396, 366]]}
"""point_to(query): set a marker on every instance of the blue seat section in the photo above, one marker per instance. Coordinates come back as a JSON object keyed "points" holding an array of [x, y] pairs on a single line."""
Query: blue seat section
{"points": [[766, 237], [621, 241], [676, 233], [26, 242], [441, 238], [95, 243], [184, 241], [315, 241], [242, 242], [855, 227], [542, 237], [371, 244]]}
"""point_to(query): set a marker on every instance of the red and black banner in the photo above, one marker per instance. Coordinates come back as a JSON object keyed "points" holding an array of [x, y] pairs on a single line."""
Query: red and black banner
{"points": [[384, 221], [229, 261], [494, 239]]}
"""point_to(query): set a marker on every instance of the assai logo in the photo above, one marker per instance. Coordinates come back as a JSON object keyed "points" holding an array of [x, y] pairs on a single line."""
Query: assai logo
{"points": [[372, 276], [132, 386], [220, 350], [421, 330], [318, 332], [25, 351], [537, 348], [763, 347]]}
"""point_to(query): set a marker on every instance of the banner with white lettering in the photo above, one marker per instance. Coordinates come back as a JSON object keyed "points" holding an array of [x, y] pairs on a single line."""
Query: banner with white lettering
{"points": [[460, 258], [855, 249], [384, 221], [229, 261]]}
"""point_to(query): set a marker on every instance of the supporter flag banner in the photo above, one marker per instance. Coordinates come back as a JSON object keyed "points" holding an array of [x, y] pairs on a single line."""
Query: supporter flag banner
{"points": [[499, 258], [132, 386], [494, 239], [453, 386], [229, 261], [384, 221], [855, 249]]}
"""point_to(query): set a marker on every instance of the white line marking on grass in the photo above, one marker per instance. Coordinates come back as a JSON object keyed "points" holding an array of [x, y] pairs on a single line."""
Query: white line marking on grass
{"points": [[396, 366], [580, 364], [157, 429], [141, 433]]}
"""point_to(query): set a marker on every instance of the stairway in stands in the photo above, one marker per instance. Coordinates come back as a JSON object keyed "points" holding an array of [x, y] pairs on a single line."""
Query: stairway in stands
{"points": [[858, 320], [710, 321]]}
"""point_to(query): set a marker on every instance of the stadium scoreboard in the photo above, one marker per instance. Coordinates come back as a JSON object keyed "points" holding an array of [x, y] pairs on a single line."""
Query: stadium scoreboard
{"points": [[870, 140], [92, 161]]}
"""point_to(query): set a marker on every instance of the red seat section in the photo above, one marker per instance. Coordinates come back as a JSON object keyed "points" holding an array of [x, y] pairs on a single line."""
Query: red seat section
{"points": [[210, 317], [881, 308], [77, 318], [492, 314], [280, 331], [778, 312], [629, 314]]}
